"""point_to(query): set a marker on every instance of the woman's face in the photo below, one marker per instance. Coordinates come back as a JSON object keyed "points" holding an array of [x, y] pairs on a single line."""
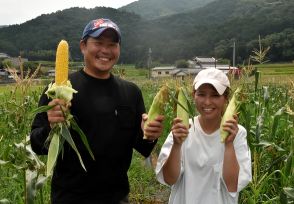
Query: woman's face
{"points": [[209, 103]]}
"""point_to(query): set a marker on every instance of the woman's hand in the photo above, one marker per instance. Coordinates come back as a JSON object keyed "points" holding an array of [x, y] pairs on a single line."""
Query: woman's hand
{"points": [[231, 126], [179, 131]]}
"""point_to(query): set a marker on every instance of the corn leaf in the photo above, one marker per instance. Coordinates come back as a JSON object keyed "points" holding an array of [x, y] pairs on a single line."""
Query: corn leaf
{"points": [[277, 117], [31, 179], [83, 137], [41, 109], [188, 109], [4, 201], [41, 181], [67, 136], [53, 152], [288, 166], [289, 191], [182, 107], [3, 162]]}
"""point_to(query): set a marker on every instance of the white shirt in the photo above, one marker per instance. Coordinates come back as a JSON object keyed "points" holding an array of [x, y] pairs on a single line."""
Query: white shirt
{"points": [[200, 180]]}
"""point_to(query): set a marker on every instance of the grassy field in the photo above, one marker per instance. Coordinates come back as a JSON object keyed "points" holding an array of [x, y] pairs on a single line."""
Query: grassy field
{"points": [[265, 113], [277, 69]]}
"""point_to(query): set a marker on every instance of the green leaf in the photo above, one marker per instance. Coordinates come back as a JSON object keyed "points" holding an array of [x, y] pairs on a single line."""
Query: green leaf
{"points": [[266, 144], [3, 162], [53, 153], [4, 201], [31, 177], [283, 198], [31, 156], [67, 136], [249, 197], [40, 182], [288, 166], [277, 117], [83, 137], [41, 109], [289, 192], [177, 102]]}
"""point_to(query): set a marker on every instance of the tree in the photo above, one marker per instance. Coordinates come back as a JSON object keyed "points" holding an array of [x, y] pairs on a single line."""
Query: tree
{"points": [[182, 64]]}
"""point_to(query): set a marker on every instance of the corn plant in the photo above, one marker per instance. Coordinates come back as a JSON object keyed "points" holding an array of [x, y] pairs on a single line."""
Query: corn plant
{"points": [[16, 155], [260, 54], [269, 135]]}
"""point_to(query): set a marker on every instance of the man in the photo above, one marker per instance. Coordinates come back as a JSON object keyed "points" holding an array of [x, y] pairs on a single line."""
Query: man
{"points": [[109, 110]]}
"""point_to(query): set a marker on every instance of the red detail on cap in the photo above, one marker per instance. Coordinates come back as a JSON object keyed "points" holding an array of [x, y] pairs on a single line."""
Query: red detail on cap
{"points": [[97, 23]]}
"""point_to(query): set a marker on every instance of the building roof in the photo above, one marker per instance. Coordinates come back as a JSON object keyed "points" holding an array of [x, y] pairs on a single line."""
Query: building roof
{"points": [[3, 73], [4, 55], [163, 68], [205, 59], [185, 71]]}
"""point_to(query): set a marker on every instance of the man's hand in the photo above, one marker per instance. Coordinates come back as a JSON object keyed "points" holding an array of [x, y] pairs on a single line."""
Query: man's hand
{"points": [[56, 114], [154, 128]]}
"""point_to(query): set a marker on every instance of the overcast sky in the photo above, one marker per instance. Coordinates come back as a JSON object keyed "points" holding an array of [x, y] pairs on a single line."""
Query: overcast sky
{"points": [[20, 11]]}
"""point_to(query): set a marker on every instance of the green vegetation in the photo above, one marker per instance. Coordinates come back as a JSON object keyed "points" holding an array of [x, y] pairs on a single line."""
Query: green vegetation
{"points": [[267, 114], [152, 9], [277, 69]]}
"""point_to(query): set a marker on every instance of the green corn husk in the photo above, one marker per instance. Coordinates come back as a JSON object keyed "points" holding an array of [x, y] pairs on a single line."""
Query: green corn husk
{"points": [[53, 151], [158, 105], [182, 107], [231, 110]]}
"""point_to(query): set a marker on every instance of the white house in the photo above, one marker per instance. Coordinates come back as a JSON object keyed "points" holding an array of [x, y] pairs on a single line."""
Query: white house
{"points": [[195, 66], [161, 71]]}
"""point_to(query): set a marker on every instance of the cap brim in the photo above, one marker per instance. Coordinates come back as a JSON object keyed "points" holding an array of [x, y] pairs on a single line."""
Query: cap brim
{"points": [[218, 86], [98, 32]]}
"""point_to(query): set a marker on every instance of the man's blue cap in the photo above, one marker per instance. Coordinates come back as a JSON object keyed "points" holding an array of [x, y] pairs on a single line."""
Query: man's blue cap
{"points": [[96, 27]]}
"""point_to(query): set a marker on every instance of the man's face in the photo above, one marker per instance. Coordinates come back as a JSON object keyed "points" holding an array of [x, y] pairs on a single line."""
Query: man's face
{"points": [[100, 54]]}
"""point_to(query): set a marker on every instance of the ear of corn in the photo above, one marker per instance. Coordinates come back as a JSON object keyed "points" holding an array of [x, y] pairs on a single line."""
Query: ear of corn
{"points": [[182, 107], [231, 110], [157, 106], [61, 66]]}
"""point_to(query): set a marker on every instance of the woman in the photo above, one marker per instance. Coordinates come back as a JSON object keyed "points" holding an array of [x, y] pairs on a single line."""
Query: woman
{"points": [[193, 161]]}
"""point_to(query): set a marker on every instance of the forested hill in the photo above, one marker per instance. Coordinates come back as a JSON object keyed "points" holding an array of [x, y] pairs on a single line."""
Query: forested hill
{"points": [[207, 31], [211, 31], [152, 9], [40, 36]]}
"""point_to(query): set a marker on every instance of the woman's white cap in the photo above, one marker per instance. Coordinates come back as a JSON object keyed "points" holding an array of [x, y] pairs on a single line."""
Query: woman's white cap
{"points": [[217, 78]]}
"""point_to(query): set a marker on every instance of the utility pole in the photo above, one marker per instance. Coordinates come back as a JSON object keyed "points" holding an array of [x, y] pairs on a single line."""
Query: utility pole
{"points": [[149, 62], [234, 53]]}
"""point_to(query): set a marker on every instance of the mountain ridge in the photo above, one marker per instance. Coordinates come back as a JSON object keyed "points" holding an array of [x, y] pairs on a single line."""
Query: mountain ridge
{"points": [[152, 9], [207, 31]]}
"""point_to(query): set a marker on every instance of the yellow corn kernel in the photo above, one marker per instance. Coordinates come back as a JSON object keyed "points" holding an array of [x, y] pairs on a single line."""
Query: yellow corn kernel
{"points": [[231, 110], [183, 108], [61, 65], [157, 106]]}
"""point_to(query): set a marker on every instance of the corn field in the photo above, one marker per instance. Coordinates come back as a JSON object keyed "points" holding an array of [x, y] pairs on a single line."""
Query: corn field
{"points": [[267, 113]]}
